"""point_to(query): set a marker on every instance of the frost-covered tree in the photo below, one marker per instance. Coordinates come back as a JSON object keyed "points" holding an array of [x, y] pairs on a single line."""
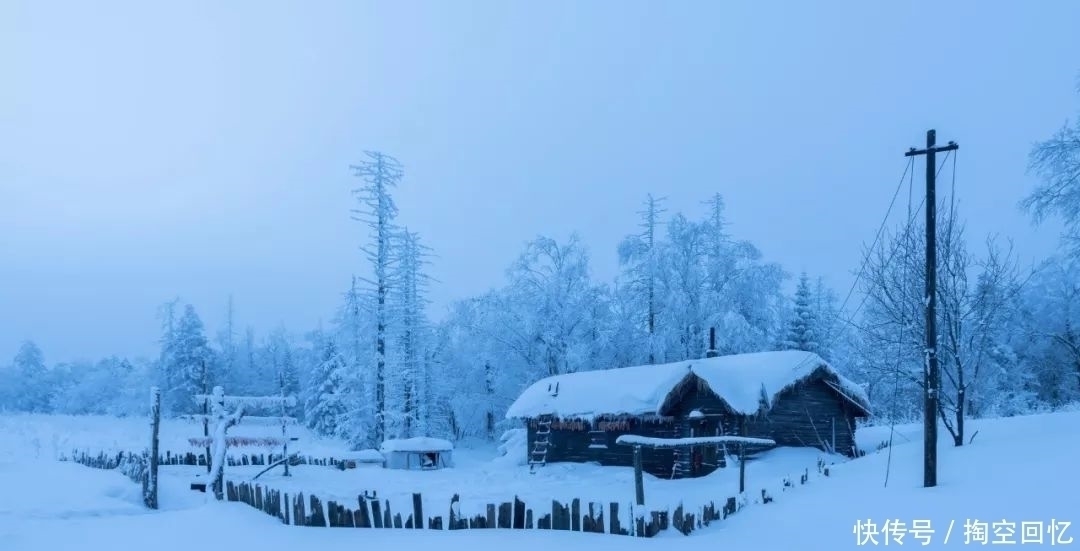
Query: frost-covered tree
{"points": [[282, 363], [191, 362], [408, 304], [354, 333], [228, 368], [168, 375], [714, 281], [325, 408], [550, 300], [1050, 340], [1056, 162], [380, 174], [639, 256], [974, 295], [803, 328], [34, 382]]}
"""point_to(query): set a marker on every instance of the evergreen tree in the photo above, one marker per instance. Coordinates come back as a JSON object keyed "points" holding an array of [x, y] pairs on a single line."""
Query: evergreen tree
{"points": [[34, 386], [639, 255], [325, 409], [380, 174], [408, 304], [803, 327], [192, 360]]}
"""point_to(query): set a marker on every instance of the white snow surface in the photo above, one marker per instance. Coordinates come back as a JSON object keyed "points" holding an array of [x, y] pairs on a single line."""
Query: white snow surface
{"points": [[742, 380], [54, 436], [364, 456], [417, 444], [1020, 469]]}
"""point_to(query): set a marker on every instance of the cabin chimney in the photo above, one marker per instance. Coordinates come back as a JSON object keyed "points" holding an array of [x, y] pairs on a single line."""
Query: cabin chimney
{"points": [[711, 352]]}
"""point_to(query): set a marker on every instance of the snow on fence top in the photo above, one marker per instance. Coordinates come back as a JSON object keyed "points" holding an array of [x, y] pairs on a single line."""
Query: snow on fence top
{"points": [[635, 440], [254, 402], [264, 421], [418, 444], [741, 380]]}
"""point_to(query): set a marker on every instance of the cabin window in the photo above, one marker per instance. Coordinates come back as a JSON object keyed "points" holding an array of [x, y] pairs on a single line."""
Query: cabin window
{"points": [[598, 439]]}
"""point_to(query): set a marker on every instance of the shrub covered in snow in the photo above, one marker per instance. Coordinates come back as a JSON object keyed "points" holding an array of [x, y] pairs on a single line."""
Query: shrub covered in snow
{"points": [[513, 448]]}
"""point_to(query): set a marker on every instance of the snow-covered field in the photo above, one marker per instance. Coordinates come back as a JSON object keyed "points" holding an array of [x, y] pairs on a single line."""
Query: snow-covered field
{"points": [[1017, 470], [55, 436]]}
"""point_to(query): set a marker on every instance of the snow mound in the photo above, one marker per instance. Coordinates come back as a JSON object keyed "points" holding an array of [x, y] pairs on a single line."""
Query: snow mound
{"points": [[513, 448]]}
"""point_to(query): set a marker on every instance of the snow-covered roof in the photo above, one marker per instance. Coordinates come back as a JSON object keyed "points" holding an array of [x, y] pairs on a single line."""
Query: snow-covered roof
{"points": [[741, 380], [417, 444]]}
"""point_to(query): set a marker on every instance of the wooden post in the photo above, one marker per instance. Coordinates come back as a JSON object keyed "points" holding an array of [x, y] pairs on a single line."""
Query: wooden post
{"points": [[932, 383], [151, 494], [742, 468], [742, 456], [639, 479]]}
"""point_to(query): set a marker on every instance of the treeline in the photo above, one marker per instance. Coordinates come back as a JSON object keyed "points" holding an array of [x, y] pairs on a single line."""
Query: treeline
{"points": [[1009, 341]]}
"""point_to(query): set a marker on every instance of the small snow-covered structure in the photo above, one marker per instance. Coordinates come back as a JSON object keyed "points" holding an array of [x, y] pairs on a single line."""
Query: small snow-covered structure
{"points": [[423, 453], [792, 398]]}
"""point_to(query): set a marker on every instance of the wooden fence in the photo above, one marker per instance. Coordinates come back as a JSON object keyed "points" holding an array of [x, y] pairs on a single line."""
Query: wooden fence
{"points": [[133, 465], [193, 459], [233, 460], [372, 512]]}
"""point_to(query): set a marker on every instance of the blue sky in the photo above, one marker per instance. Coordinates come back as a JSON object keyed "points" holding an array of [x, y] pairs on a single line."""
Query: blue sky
{"points": [[201, 149]]}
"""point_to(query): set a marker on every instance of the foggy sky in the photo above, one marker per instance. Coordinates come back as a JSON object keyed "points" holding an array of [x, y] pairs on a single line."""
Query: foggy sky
{"points": [[201, 149]]}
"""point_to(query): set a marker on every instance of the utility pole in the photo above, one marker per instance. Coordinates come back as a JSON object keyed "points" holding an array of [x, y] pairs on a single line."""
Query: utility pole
{"points": [[931, 372]]}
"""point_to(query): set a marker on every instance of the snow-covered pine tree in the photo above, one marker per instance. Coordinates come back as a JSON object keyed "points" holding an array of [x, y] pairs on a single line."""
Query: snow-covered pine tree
{"points": [[193, 361], [168, 374], [380, 173], [354, 330], [639, 256], [325, 408], [35, 390], [286, 379], [803, 326], [409, 302], [227, 369]]}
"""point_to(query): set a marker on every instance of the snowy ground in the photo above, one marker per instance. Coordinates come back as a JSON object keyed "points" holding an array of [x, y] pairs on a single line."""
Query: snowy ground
{"points": [[53, 436], [1016, 470]]}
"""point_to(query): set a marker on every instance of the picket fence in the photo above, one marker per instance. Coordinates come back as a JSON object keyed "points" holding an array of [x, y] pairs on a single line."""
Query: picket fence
{"points": [[135, 466], [372, 512], [193, 459]]}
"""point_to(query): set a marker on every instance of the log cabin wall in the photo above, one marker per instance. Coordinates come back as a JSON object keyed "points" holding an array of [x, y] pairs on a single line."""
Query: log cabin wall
{"points": [[808, 414], [583, 441]]}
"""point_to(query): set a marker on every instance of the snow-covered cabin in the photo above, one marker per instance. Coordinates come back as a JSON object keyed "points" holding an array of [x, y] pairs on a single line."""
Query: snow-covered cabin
{"points": [[417, 453], [794, 398]]}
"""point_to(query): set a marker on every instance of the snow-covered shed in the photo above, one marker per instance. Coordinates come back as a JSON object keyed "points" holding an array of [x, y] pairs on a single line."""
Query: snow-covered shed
{"points": [[421, 452], [794, 398]]}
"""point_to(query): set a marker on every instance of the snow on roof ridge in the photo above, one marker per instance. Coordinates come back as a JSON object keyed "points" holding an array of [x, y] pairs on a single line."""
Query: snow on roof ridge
{"points": [[743, 380]]}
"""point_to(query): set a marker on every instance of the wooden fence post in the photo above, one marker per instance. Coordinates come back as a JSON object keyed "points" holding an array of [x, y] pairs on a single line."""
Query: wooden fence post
{"points": [[150, 496], [639, 480]]}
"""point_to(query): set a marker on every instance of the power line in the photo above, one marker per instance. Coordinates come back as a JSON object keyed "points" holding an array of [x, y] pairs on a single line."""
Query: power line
{"points": [[907, 228], [877, 237]]}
